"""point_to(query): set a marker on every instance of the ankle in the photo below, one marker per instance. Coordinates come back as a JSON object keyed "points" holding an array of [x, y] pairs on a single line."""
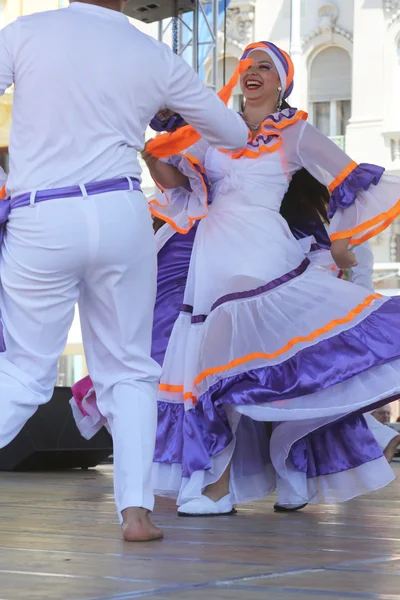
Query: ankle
{"points": [[134, 512], [215, 492]]}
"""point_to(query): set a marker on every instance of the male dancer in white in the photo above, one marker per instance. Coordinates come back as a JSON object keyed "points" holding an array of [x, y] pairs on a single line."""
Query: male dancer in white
{"points": [[87, 83]]}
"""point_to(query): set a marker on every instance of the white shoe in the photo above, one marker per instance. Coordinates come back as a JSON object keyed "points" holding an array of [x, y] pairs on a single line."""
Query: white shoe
{"points": [[205, 507]]}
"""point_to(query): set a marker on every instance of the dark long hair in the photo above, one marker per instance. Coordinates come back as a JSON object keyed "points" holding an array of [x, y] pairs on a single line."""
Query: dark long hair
{"points": [[306, 200], [157, 224]]}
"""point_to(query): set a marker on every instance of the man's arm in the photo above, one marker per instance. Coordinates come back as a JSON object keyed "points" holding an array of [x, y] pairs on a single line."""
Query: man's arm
{"points": [[6, 59], [202, 108]]}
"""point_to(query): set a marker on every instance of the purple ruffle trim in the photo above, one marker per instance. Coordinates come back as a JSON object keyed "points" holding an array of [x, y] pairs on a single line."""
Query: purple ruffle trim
{"points": [[173, 267], [361, 178], [184, 438], [343, 445], [286, 113], [262, 140], [204, 432]]}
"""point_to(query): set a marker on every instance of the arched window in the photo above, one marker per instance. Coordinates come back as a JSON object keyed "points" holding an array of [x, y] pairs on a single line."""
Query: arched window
{"points": [[330, 91]]}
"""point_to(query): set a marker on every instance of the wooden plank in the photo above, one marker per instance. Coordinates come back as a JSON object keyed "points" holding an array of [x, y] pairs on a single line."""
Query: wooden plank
{"points": [[60, 539]]}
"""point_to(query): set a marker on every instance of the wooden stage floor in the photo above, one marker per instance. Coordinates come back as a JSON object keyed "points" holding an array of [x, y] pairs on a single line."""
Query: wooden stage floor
{"points": [[59, 540]]}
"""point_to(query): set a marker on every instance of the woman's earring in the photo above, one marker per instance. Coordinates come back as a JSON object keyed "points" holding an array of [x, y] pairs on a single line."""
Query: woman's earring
{"points": [[279, 105]]}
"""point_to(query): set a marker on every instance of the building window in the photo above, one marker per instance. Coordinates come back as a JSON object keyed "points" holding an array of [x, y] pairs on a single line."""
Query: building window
{"points": [[331, 117], [343, 114], [321, 116], [330, 80]]}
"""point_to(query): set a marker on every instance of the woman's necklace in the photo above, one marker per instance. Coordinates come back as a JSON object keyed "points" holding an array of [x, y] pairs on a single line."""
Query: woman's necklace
{"points": [[253, 125]]}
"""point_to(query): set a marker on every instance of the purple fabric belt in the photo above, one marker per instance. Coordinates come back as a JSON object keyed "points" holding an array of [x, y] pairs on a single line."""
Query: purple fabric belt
{"points": [[73, 191], [88, 189]]}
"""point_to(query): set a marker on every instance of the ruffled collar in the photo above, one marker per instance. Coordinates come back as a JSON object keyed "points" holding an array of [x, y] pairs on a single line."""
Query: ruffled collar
{"points": [[284, 118], [269, 139]]}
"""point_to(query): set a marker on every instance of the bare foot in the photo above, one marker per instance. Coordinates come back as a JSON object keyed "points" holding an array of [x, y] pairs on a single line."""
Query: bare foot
{"points": [[137, 526], [391, 448]]}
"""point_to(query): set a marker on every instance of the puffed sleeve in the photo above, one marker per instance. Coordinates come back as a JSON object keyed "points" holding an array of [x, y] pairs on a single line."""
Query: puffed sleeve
{"points": [[364, 199], [181, 207]]}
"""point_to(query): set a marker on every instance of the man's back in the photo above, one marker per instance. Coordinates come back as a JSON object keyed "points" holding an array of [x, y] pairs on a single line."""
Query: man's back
{"points": [[87, 83], [81, 102]]}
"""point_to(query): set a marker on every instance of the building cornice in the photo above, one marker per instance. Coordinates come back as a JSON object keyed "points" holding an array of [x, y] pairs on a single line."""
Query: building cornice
{"points": [[240, 22], [392, 10], [328, 15]]}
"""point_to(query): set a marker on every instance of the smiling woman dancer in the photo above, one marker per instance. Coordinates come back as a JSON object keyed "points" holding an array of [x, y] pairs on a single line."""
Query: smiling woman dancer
{"points": [[262, 335]]}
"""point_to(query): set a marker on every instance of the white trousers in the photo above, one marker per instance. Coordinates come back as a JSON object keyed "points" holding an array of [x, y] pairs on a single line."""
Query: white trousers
{"points": [[97, 251]]}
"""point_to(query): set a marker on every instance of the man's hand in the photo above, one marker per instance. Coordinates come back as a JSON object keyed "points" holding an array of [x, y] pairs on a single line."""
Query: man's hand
{"points": [[343, 257]]}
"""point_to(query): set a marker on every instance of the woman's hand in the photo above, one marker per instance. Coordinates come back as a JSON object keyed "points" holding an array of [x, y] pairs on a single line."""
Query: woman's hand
{"points": [[148, 158], [164, 174], [343, 257]]}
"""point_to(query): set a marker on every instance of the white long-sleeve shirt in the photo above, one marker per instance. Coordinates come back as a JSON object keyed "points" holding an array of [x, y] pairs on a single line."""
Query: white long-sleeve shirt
{"points": [[87, 84]]}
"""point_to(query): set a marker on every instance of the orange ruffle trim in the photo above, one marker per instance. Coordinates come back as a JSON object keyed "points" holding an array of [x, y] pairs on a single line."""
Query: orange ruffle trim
{"points": [[261, 355], [267, 131], [342, 176], [153, 204], [371, 227]]}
